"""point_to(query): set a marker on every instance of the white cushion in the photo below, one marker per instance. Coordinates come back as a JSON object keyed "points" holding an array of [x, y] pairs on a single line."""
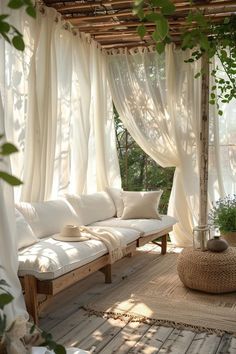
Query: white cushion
{"points": [[25, 235], [115, 194], [141, 205], [47, 218], [92, 207], [49, 259], [145, 226]]}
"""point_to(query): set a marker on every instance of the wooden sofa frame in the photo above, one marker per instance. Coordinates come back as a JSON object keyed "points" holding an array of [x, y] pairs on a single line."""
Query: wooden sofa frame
{"points": [[33, 287]]}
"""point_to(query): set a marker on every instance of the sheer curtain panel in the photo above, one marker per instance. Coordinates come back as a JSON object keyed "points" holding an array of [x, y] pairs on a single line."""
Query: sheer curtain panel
{"points": [[60, 111], [159, 100]]}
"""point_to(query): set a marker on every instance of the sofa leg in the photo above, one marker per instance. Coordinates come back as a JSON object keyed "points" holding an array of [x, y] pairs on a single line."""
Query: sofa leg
{"points": [[164, 244], [31, 300], [131, 254], [107, 272]]}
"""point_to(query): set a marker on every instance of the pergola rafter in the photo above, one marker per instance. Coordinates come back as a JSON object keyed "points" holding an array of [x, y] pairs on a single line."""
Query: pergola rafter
{"points": [[113, 22]]}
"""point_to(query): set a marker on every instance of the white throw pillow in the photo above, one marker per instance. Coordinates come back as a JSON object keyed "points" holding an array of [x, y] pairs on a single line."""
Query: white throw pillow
{"points": [[116, 195], [48, 218], [25, 235], [92, 207], [141, 205]]}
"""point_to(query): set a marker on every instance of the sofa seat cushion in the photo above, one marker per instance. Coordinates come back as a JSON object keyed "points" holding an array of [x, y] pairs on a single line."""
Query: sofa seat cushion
{"points": [[49, 258], [145, 226]]}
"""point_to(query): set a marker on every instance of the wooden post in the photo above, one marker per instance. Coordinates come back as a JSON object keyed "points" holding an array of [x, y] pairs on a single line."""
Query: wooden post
{"points": [[204, 145], [31, 301]]}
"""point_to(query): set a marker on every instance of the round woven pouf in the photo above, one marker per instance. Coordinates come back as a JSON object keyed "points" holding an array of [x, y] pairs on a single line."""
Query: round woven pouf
{"points": [[207, 271]]}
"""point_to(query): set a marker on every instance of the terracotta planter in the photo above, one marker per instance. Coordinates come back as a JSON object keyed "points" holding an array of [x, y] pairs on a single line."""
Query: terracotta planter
{"points": [[230, 237]]}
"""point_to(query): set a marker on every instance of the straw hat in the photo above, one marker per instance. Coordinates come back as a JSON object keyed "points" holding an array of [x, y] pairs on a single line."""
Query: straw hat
{"points": [[70, 233]]}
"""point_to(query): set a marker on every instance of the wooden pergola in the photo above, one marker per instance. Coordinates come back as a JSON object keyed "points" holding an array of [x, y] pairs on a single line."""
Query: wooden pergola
{"points": [[113, 25]]}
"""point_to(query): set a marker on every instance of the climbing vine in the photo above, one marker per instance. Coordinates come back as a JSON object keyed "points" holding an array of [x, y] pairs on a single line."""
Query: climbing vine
{"points": [[201, 35]]}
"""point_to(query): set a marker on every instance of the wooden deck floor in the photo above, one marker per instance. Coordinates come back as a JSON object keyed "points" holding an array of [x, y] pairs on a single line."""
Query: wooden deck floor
{"points": [[72, 326]]}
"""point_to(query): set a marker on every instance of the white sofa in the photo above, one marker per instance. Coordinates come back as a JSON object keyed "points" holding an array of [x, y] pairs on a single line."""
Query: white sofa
{"points": [[48, 266]]}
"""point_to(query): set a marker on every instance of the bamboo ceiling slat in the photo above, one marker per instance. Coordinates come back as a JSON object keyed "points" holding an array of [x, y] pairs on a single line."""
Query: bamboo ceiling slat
{"points": [[179, 6], [112, 23]]}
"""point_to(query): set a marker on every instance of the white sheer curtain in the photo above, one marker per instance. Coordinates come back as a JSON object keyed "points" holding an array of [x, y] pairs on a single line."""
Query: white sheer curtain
{"points": [[158, 100], [52, 112], [60, 110], [8, 245], [12, 90]]}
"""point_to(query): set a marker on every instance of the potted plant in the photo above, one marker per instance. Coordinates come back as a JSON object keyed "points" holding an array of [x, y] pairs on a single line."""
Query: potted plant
{"points": [[223, 217]]}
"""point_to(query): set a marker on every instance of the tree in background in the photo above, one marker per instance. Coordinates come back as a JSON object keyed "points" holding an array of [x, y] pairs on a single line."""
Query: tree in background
{"points": [[139, 172]]}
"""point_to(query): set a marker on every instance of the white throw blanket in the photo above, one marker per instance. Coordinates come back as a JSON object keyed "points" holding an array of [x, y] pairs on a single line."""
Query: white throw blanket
{"points": [[112, 241]]}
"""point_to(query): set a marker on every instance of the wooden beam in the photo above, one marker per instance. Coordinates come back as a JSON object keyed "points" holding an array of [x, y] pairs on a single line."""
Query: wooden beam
{"points": [[204, 144], [77, 19], [96, 4], [179, 6]]}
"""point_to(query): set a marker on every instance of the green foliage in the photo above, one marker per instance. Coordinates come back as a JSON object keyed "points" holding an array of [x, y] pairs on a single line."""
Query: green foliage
{"points": [[138, 171], [223, 214], [211, 39], [5, 299], [51, 344], [8, 31], [7, 149]]}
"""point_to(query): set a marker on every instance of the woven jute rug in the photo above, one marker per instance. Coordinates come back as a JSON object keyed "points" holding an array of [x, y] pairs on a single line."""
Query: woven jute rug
{"points": [[156, 295]]}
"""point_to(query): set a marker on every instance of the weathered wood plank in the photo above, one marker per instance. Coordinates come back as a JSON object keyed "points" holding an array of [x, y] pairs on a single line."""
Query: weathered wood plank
{"points": [[152, 340], [126, 338], [178, 342], [204, 343], [83, 330], [102, 335], [232, 346], [69, 323], [224, 344]]}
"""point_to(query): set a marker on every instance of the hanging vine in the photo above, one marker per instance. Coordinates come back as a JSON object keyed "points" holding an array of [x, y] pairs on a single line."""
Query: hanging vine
{"points": [[202, 36]]}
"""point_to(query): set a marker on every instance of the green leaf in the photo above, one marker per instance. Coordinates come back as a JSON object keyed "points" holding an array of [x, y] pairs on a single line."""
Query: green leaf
{"points": [[141, 31], [12, 180], [8, 149], [4, 27], [197, 75], [5, 299], [162, 27], [204, 43], [3, 17], [18, 43], [31, 11], [153, 17], [5, 36], [158, 3], [155, 36], [160, 47], [141, 14], [59, 349], [168, 9], [15, 4], [220, 112]]}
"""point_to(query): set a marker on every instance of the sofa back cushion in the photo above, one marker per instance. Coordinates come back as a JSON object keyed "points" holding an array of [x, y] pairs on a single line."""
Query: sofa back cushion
{"points": [[141, 205], [25, 234], [92, 207], [116, 195], [48, 218]]}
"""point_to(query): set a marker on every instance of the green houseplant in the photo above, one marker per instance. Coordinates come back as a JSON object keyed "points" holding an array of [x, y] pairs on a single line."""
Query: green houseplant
{"points": [[223, 217]]}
